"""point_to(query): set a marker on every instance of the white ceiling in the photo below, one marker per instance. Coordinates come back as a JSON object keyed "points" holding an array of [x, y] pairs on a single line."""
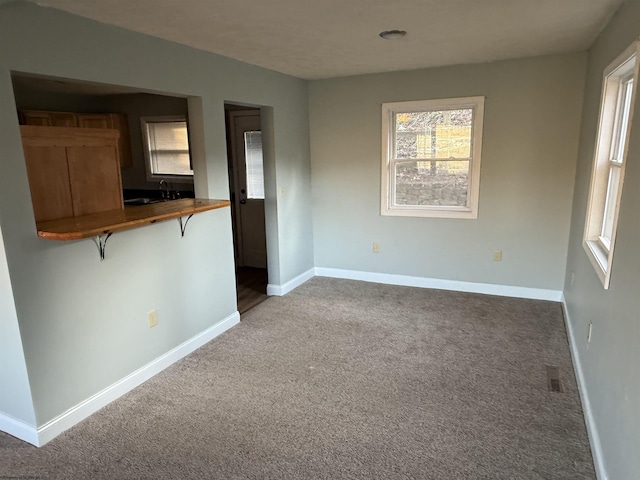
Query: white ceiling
{"points": [[315, 39]]}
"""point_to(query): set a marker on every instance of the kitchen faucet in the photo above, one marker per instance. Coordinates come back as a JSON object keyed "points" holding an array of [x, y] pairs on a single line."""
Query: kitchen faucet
{"points": [[165, 185]]}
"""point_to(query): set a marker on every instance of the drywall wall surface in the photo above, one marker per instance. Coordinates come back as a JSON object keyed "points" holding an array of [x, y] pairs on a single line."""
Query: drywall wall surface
{"points": [[293, 182], [529, 148], [609, 363], [83, 322], [15, 394], [28, 99]]}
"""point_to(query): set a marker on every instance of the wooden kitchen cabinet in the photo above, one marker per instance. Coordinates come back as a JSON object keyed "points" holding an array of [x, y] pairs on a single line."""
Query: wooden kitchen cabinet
{"points": [[49, 119], [49, 182], [111, 120], [121, 124], [115, 121], [94, 177], [95, 120], [72, 171]]}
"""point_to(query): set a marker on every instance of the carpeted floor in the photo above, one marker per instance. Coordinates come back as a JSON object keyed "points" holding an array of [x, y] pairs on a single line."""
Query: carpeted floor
{"points": [[343, 379]]}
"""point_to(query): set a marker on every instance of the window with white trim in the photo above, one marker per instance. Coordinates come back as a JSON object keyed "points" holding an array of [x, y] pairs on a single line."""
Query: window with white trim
{"points": [[254, 164], [431, 157], [607, 177], [166, 148]]}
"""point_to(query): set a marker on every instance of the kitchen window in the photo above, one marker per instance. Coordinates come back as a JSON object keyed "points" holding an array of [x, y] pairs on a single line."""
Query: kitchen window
{"points": [[607, 177], [166, 143], [431, 157]]}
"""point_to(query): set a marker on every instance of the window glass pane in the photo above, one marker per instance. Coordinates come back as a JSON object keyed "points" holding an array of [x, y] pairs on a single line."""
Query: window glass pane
{"points": [[441, 183], [622, 120], [255, 169], [434, 134], [169, 148], [610, 205], [171, 163]]}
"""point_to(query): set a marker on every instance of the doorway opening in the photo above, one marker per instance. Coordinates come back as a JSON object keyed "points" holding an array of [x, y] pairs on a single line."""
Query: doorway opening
{"points": [[246, 185]]}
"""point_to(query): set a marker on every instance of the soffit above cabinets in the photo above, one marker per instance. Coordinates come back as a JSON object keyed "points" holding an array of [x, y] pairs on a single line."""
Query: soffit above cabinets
{"points": [[315, 39]]}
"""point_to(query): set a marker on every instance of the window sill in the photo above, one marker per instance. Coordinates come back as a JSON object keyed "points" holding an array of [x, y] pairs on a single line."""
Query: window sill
{"points": [[599, 258], [170, 178], [451, 212]]}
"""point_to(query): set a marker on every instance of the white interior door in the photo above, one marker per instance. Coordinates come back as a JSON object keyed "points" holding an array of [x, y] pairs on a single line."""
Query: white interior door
{"points": [[248, 171]]}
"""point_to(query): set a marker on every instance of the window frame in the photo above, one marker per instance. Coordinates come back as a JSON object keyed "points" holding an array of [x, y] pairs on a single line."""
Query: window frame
{"points": [[246, 169], [151, 176], [389, 110], [613, 130]]}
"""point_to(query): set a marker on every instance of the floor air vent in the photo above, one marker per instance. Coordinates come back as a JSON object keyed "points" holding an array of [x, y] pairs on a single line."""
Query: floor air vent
{"points": [[553, 379]]}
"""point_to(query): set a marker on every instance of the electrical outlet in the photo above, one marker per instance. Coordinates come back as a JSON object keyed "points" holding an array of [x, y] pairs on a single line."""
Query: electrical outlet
{"points": [[573, 278], [497, 255], [152, 318], [589, 333], [376, 247]]}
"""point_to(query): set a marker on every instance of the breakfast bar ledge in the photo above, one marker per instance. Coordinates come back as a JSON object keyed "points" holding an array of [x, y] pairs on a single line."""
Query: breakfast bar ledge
{"points": [[100, 226]]}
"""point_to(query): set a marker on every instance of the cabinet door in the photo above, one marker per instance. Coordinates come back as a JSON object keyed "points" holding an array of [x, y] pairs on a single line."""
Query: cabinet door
{"points": [[49, 119], [94, 175], [49, 182], [63, 119], [95, 120], [32, 117], [124, 142]]}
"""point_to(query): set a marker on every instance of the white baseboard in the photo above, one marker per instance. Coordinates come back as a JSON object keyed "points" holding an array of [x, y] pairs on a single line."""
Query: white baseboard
{"points": [[18, 429], [71, 417], [436, 283], [592, 430], [280, 290]]}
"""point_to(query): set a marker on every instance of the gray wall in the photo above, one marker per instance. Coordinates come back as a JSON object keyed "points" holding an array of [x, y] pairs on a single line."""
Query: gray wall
{"points": [[531, 122], [610, 363], [15, 394], [82, 322], [32, 99]]}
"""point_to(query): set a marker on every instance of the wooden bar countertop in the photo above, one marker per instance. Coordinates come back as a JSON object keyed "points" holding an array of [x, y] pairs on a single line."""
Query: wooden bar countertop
{"points": [[86, 226]]}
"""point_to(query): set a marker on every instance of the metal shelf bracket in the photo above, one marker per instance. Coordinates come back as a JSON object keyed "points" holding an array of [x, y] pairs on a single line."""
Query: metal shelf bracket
{"points": [[183, 226], [101, 243]]}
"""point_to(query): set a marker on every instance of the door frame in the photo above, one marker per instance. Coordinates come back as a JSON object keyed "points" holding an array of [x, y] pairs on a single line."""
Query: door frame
{"points": [[234, 175]]}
